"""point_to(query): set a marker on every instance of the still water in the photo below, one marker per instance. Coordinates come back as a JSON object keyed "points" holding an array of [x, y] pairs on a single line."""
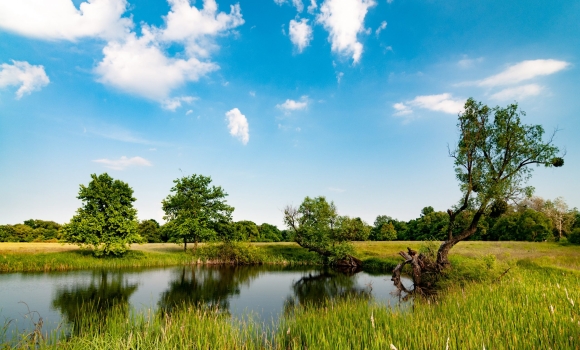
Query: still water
{"points": [[263, 292]]}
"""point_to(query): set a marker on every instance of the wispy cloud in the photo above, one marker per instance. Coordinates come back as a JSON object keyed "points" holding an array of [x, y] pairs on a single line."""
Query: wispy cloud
{"points": [[469, 62], [523, 71], [291, 105], [238, 125], [123, 162], [175, 102], [335, 189], [382, 27], [518, 92], [117, 133], [27, 77], [445, 103]]}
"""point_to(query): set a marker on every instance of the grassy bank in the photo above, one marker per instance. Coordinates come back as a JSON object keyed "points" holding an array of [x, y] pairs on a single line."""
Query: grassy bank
{"points": [[377, 256], [30, 257], [530, 307]]}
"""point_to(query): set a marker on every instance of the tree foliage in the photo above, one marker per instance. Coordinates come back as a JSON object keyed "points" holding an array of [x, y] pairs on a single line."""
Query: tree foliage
{"points": [[315, 227], [196, 211], [106, 222]]}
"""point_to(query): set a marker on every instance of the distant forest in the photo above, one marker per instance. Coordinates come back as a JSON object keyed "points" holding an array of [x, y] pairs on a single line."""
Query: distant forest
{"points": [[534, 220]]}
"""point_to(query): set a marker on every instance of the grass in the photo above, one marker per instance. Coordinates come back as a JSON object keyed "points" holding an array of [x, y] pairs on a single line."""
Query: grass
{"points": [[29, 257]]}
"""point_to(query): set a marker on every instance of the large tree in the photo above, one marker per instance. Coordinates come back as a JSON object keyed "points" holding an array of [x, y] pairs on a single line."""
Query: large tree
{"points": [[315, 226], [107, 221], [195, 210], [493, 160]]}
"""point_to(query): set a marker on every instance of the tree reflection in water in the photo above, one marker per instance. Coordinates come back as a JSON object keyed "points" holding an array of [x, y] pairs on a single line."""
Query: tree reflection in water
{"points": [[315, 289], [206, 286], [107, 291]]}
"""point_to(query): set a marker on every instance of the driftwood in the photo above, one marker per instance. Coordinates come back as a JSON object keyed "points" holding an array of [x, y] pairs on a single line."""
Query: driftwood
{"points": [[421, 264]]}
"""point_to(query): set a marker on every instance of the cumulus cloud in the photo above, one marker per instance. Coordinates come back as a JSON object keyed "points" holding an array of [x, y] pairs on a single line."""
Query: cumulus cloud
{"points": [[382, 27], [297, 4], [27, 77], [344, 20], [522, 71], [292, 105], [61, 20], [139, 66], [123, 162], [445, 103], [518, 92], [195, 27], [238, 125], [300, 33]]}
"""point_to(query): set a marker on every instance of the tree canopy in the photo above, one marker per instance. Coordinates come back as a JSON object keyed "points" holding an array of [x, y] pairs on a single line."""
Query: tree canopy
{"points": [[106, 221], [195, 210]]}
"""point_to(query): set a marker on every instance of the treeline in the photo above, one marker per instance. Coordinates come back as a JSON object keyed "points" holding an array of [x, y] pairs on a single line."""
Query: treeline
{"points": [[534, 220]]}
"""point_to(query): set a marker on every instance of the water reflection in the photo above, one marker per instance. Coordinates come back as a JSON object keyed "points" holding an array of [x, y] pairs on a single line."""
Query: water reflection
{"points": [[314, 288], [105, 292], [211, 286]]}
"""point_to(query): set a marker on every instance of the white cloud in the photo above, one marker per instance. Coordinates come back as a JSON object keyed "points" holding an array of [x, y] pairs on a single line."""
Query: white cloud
{"points": [[238, 125], [518, 92], [299, 5], [123, 162], [381, 28], [344, 20], [469, 62], [28, 77], [335, 189], [190, 111], [312, 7], [440, 103], [195, 27], [175, 102], [60, 19], [300, 33], [402, 109], [252, 93], [524, 70], [339, 76], [292, 105], [139, 66]]}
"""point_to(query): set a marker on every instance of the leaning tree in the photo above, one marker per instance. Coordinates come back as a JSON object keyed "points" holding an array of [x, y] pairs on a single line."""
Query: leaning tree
{"points": [[492, 164]]}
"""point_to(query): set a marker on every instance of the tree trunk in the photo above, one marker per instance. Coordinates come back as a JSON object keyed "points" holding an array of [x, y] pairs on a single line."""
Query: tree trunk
{"points": [[184, 244], [195, 246]]}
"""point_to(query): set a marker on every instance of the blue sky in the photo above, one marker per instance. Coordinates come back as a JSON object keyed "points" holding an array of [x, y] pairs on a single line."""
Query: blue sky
{"points": [[355, 100]]}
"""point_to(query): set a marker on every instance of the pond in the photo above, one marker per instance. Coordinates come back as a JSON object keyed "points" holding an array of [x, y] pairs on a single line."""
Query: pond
{"points": [[264, 292]]}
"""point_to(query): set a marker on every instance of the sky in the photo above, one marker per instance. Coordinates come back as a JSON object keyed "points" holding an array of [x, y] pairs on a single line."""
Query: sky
{"points": [[275, 100]]}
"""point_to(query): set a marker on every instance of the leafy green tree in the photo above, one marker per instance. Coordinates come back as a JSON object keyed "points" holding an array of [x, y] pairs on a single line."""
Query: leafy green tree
{"points": [[352, 229], [246, 230], [492, 164], [150, 231], [314, 227], [196, 210], [107, 221], [269, 233]]}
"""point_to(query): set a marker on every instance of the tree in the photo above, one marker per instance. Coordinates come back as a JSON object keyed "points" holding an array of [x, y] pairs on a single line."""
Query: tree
{"points": [[195, 210], [314, 227], [246, 230], [352, 229], [149, 230], [269, 233], [562, 218], [107, 221], [492, 164]]}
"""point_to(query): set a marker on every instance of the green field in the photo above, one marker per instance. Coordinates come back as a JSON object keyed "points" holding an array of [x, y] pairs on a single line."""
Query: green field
{"points": [[534, 305]]}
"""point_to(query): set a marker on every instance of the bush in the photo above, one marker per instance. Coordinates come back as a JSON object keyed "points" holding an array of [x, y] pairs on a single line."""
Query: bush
{"points": [[574, 237], [230, 253]]}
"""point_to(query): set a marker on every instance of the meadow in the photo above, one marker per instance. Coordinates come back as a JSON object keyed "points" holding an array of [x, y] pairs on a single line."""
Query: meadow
{"points": [[498, 295]]}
